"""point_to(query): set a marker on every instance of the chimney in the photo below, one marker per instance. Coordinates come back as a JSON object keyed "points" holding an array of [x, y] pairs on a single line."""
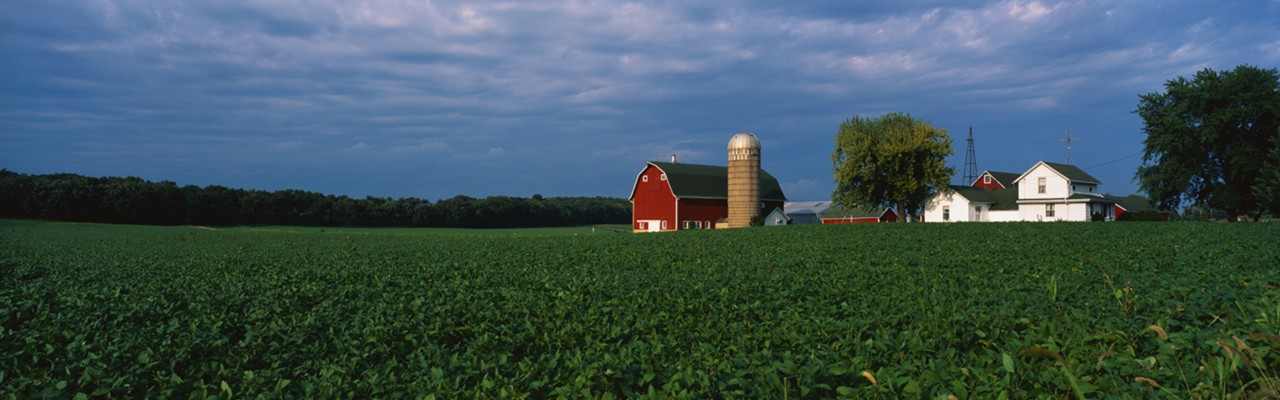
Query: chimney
{"points": [[673, 158]]}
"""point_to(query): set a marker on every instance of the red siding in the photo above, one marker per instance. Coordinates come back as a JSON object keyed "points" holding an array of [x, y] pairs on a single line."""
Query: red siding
{"points": [[702, 210], [889, 216], [832, 221], [1164, 216], [652, 199], [995, 184]]}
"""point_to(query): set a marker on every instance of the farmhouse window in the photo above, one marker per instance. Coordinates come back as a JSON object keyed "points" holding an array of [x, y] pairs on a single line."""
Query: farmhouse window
{"points": [[946, 213], [1048, 210], [977, 213], [644, 178], [1040, 185]]}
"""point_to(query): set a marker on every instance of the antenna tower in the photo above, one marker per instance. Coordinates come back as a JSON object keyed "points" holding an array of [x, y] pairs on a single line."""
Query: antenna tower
{"points": [[1069, 139], [970, 162]]}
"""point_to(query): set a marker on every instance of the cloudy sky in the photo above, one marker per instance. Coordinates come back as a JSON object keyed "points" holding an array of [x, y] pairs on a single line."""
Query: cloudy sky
{"points": [[433, 99]]}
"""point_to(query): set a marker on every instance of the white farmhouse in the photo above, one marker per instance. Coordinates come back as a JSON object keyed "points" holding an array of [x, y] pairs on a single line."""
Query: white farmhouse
{"points": [[1046, 192]]}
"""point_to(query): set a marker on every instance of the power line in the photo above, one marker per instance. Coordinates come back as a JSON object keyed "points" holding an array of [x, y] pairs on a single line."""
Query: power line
{"points": [[1115, 160]]}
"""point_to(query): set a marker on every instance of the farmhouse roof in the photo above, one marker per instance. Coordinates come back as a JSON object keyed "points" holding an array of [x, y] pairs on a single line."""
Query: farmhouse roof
{"points": [[999, 199], [1071, 172], [697, 181]]}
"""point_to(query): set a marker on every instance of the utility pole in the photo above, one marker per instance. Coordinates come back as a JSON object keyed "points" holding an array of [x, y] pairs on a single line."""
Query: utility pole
{"points": [[970, 162], [1069, 139]]}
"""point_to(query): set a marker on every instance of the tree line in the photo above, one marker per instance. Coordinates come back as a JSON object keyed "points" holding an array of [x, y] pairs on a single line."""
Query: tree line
{"points": [[132, 200]]}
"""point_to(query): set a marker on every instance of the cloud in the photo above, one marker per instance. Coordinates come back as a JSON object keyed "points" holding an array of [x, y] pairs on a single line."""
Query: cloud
{"points": [[584, 85]]}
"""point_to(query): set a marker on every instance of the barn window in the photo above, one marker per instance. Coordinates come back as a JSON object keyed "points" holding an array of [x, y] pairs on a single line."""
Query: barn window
{"points": [[709, 226], [664, 224], [1048, 210], [644, 178], [1040, 185], [663, 177], [986, 179], [946, 213]]}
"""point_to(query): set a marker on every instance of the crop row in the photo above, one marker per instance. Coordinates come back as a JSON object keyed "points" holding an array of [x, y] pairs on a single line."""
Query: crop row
{"points": [[973, 311]]}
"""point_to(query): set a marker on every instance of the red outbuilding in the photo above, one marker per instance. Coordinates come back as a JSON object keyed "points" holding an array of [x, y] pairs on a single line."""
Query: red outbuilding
{"points": [[835, 215], [992, 180], [674, 196]]}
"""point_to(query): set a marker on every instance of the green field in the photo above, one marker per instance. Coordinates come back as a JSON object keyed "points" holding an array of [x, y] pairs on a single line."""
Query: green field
{"points": [[982, 311]]}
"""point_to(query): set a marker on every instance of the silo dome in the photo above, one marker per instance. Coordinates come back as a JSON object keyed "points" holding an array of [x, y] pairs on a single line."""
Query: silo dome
{"points": [[744, 140]]}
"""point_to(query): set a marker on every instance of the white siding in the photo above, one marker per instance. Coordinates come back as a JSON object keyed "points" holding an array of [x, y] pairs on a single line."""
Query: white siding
{"points": [[1056, 186], [1076, 212], [1003, 216], [961, 209], [1061, 212]]}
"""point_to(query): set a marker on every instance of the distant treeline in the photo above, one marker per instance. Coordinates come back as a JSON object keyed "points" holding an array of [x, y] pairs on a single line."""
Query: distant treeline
{"points": [[132, 200]]}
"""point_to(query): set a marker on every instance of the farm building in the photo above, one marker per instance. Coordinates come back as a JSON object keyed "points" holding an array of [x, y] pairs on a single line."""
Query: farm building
{"points": [[776, 218], [992, 180], [827, 212], [670, 196], [1045, 192], [673, 196], [1135, 204]]}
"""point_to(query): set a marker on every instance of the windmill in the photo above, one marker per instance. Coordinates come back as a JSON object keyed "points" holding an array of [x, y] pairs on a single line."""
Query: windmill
{"points": [[970, 162]]}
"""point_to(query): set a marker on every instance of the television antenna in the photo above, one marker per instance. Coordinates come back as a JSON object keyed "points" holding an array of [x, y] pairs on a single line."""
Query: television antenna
{"points": [[1069, 139]]}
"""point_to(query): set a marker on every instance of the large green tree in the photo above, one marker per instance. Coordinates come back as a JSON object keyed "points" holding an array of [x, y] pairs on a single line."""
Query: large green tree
{"points": [[1208, 139], [890, 161]]}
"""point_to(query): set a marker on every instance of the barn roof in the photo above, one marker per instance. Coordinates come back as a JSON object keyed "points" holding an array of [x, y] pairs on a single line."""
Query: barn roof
{"points": [[830, 210], [837, 212], [1132, 203], [697, 181]]}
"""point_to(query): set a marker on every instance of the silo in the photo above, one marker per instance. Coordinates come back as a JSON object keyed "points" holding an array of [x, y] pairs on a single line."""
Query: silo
{"points": [[744, 179]]}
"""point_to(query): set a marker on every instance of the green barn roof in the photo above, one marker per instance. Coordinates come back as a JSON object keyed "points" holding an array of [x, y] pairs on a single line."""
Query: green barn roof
{"points": [[696, 181]]}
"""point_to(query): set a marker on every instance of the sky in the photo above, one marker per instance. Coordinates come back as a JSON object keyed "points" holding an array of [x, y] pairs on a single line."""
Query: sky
{"points": [[433, 99]]}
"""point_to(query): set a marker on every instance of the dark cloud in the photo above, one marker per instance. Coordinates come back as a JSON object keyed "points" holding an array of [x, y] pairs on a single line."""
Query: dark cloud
{"points": [[402, 98]]}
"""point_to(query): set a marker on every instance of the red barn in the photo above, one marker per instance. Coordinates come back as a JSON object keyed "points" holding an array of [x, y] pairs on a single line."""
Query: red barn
{"points": [[840, 216], [992, 180], [674, 196]]}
